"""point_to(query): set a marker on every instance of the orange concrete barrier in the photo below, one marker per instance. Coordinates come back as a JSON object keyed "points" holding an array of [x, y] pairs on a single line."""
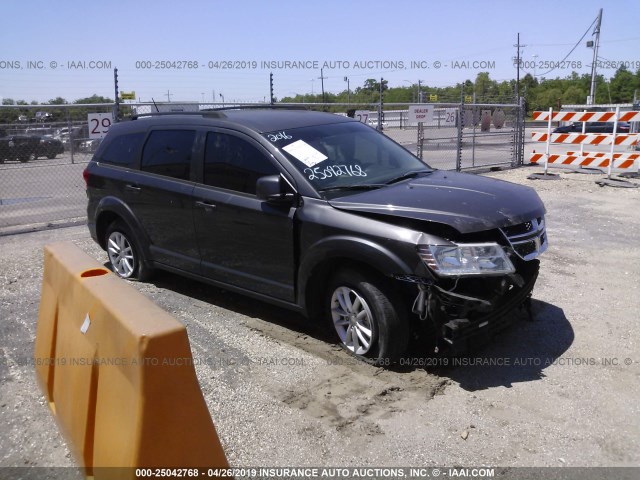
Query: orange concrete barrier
{"points": [[118, 373]]}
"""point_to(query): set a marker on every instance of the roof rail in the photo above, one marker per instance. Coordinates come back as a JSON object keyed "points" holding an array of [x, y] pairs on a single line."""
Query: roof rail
{"points": [[255, 107], [218, 112], [202, 113]]}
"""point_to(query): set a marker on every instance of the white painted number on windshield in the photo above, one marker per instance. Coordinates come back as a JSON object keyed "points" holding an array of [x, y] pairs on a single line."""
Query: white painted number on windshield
{"points": [[318, 173], [274, 137]]}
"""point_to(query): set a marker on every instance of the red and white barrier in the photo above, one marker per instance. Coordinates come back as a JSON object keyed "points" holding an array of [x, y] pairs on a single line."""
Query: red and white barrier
{"points": [[573, 160], [588, 138], [586, 116], [576, 160]]}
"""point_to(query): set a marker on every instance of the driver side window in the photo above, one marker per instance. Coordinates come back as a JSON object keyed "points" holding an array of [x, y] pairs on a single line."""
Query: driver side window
{"points": [[234, 164]]}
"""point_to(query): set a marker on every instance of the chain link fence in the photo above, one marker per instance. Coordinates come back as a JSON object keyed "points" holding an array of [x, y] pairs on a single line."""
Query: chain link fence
{"points": [[491, 135], [45, 148], [43, 151], [460, 136]]}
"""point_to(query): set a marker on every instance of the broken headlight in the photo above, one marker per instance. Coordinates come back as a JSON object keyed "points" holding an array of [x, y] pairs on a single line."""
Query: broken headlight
{"points": [[466, 259]]}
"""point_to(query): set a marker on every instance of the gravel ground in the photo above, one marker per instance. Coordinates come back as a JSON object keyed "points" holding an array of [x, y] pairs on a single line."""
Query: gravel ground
{"points": [[561, 390]]}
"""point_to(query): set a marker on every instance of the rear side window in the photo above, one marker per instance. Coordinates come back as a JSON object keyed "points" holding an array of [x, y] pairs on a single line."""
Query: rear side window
{"points": [[123, 149], [233, 163], [168, 152]]}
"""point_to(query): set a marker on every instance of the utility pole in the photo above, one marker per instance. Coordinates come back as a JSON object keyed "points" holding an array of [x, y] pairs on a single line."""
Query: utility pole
{"points": [[517, 60], [591, 99], [419, 91], [168, 96], [321, 77]]}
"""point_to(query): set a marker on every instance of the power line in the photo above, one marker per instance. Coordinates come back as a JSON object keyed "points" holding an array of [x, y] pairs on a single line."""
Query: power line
{"points": [[574, 47]]}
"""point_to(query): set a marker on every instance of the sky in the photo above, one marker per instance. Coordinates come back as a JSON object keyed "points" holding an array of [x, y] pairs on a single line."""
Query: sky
{"points": [[225, 50]]}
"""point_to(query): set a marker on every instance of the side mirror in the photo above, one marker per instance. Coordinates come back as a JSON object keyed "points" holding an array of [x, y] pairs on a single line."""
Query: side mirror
{"points": [[270, 189]]}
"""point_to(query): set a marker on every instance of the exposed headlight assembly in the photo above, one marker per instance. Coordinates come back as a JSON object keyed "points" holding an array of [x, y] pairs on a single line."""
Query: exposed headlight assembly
{"points": [[466, 259]]}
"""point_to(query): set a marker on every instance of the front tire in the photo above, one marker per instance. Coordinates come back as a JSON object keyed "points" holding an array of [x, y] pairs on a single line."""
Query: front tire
{"points": [[361, 314], [124, 253]]}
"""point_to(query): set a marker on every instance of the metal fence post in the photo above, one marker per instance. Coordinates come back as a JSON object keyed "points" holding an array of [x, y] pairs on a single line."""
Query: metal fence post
{"points": [[518, 159], [116, 104], [420, 140], [70, 133], [459, 152]]}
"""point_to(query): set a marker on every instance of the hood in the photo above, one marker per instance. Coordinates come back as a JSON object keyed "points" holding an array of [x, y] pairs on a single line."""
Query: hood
{"points": [[466, 202]]}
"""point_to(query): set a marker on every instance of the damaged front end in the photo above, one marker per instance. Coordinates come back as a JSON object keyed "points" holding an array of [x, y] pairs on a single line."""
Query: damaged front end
{"points": [[469, 287]]}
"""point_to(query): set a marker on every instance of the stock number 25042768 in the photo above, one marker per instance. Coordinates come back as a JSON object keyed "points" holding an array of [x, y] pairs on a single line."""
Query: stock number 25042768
{"points": [[322, 173]]}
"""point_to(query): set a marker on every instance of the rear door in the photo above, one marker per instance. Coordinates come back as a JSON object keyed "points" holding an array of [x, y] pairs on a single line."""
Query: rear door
{"points": [[242, 241], [159, 195]]}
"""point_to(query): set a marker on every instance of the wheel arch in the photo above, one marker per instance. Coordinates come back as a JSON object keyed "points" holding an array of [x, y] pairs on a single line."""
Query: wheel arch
{"points": [[111, 209], [335, 253]]}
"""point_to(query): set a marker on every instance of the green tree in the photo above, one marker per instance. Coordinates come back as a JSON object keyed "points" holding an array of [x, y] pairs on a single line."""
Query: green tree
{"points": [[574, 94], [622, 86], [550, 97], [485, 88], [94, 99], [57, 101]]}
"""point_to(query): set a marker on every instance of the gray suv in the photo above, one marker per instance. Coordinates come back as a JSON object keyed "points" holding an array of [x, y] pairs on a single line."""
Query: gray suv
{"points": [[320, 214]]}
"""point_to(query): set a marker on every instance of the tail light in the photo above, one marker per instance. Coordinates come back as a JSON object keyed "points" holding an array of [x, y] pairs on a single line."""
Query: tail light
{"points": [[86, 175]]}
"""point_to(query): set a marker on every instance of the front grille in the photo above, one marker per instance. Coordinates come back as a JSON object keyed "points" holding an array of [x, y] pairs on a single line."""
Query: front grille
{"points": [[528, 239]]}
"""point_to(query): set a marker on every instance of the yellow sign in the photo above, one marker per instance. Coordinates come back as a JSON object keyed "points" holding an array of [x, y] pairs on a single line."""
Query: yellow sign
{"points": [[433, 98], [128, 96], [468, 99]]}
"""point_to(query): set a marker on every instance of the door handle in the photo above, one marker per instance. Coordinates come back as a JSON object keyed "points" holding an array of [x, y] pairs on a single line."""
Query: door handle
{"points": [[133, 188], [205, 205]]}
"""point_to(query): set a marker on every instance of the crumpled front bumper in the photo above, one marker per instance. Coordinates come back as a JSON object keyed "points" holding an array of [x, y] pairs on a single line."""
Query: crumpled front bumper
{"points": [[457, 335], [473, 310]]}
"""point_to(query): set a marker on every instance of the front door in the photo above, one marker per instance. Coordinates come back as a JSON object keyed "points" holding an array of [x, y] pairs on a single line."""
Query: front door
{"points": [[242, 241]]}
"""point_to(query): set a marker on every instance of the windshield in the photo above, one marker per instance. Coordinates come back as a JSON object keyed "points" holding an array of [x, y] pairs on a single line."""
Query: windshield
{"points": [[345, 155]]}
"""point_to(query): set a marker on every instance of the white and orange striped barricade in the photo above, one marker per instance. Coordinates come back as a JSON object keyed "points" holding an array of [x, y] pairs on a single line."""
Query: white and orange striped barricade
{"points": [[586, 116], [618, 161]]}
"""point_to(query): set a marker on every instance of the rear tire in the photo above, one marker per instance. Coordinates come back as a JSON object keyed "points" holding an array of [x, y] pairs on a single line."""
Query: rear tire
{"points": [[361, 314], [124, 253]]}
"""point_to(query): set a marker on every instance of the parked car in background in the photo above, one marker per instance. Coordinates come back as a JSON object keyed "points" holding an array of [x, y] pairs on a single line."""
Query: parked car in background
{"points": [[593, 127], [18, 147], [373, 122], [48, 147], [90, 145], [43, 117], [74, 135]]}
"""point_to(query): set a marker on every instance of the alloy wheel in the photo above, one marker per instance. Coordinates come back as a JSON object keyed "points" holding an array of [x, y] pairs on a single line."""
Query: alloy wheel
{"points": [[352, 320], [121, 254]]}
